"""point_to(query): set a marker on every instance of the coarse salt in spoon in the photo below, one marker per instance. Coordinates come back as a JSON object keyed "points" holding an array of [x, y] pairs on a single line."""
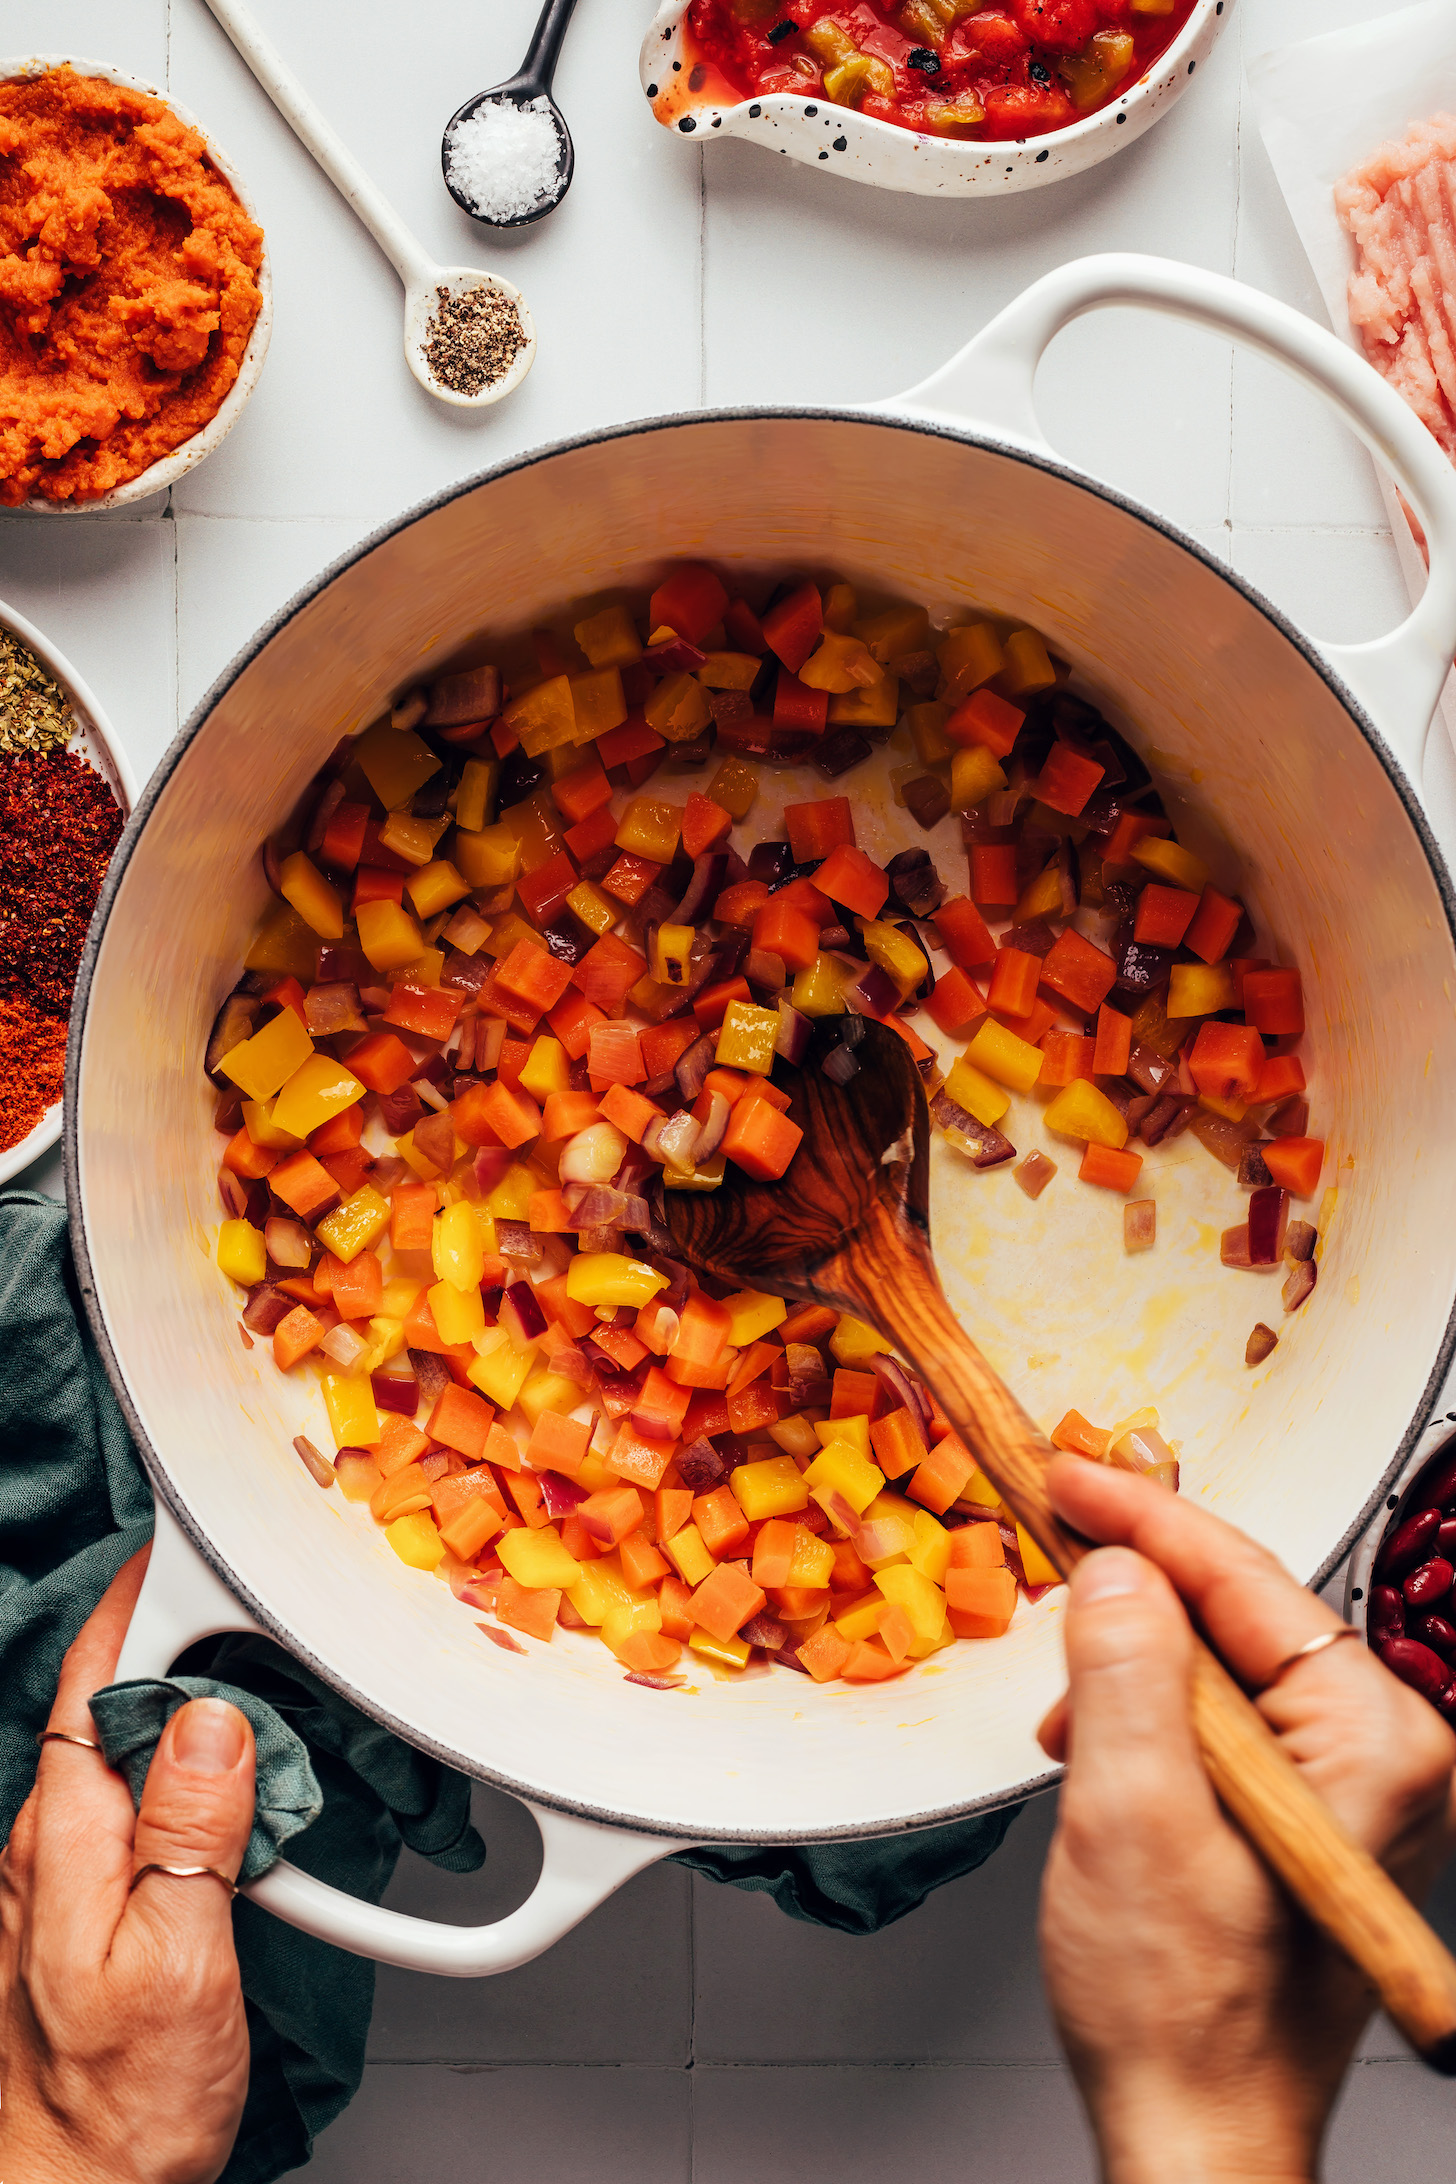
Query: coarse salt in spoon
{"points": [[507, 153], [468, 336], [848, 1226]]}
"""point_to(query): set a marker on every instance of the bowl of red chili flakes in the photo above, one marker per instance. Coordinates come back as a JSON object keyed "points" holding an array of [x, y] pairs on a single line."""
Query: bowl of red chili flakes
{"points": [[66, 791], [938, 98]]}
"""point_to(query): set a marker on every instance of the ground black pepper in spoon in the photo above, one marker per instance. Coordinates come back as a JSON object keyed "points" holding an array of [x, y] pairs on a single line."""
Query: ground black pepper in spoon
{"points": [[530, 183]]}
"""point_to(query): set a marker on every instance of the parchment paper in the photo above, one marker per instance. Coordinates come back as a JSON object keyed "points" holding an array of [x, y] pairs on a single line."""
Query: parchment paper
{"points": [[1322, 108]]}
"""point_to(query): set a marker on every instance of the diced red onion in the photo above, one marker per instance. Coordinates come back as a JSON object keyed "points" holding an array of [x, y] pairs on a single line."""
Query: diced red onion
{"points": [[491, 1163], [808, 1378], [467, 973], [693, 1066], [672, 1140], [396, 1392], [711, 1131], [1253, 1174], [432, 1097], [1036, 939], [457, 699], [433, 1374], [332, 1008], [906, 1390], [467, 929], [344, 1345], [1300, 1239], [700, 1467], [764, 1630], [703, 889], [520, 1313], [267, 1305], [1233, 1245], [764, 970], [227, 1116], [490, 1037], [515, 1241], [272, 866], [235, 1021], [493, 1631], [840, 1064], [671, 1300], [914, 882], [1139, 1224], [1149, 1070], [793, 1035], [330, 796], [674, 656], [594, 1155], [984, 1146], [288, 1242], [374, 1000], [1168, 1117], [401, 1110], [1268, 1219], [572, 1362], [874, 992], [1034, 1173], [233, 1192], [654, 1683], [1301, 1280], [1262, 1341], [319, 1467], [1224, 1139], [560, 1495]]}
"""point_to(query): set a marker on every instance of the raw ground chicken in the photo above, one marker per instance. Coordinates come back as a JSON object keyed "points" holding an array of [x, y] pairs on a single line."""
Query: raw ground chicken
{"points": [[1399, 208], [513, 989]]}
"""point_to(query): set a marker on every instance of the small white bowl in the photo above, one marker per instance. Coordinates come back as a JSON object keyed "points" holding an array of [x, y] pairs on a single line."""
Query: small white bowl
{"points": [[96, 741], [185, 458], [848, 142]]}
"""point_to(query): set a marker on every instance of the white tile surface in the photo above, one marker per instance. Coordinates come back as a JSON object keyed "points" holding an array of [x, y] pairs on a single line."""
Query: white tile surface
{"points": [[673, 276]]}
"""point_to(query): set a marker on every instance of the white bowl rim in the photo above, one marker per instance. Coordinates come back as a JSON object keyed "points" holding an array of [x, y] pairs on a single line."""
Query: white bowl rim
{"points": [[1013, 151], [168, 469], [936, 427], [91, 719]]}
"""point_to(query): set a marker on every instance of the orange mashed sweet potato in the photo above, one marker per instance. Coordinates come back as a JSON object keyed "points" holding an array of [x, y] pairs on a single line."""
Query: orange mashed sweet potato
{"points": [[128, 285]]}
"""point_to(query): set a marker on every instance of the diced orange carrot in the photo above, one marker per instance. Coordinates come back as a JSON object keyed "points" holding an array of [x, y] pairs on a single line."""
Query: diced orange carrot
{"points": [[348, 1169], [980, 1603], [993, 875], [1281, 1075], [1295, 1163], [1014, 977], [782, 930], [1066, 780], [896, 1633], [629, 1110], [760, 1140], [564, 1113], [382, 1062], [303, 1184], [703, 823], [420, 1331], [649, 1652], [1164, 915], [340, 1134], [467, 1512], [610, 1514], [549, 1215], [851, 878], [246, 1159], [672, 1506], [607, 972], [1132, 828], [721, 1521], [401, 1442], [523, 1609], [1078, 1438], [1214, 924], [614, 1056], [808, 1323], [358, 1287], [295, 1336], [741, 903], [725, 1600], [462, 1420], [571, 1021], [636, 1458], [773, 1553], [977, 1547], [854, 1395], [674, 1603], [629, 877], [1115, 1171], [985, 719], [1077, 971], [964, 931], [524, 1489], [558, 1444], [577, 1319], [581, 792], [533, 976], [491, 1114], [944, 1475], [1113, 1049], [501, 1449], [816, 829], [897, 1443], [663, 1045], [1066, 1056], [868, 1662], [642, 1565], [825, 1654], [690, 600]]}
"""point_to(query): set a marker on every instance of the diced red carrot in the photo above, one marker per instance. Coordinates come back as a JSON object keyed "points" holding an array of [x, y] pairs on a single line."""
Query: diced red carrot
{"points": [[988, 720], [703, 823], [534, 976], [491, 1114], [607, 973], [429, 1011], [585, 790], [898, 1444], [1078, 972], [954, 1001], [633, 740], [1066, 780], [1295, 1163], [544, 890], [514, 1055], [712, 1004], [760, 1140], [372, 884], [752, 1407], [590, 836], [808, 1323], [791, 935], [1214, 924], [741, 903], [1226, 1060], [854, 880], [348, 1169], [664, 1045], [993, 874], [577, 1319], [964, 931], [1014, 978], [344, 836], [1274, 1001], [798, 708], [564, 1113], [744, 628], [1115, 1171], [1066, 1056], [248, 1160], [792, 628], [1164, 915], [497, 1000], [571, 1021], [1133, 827], [816, 829], [1113, 1049]]}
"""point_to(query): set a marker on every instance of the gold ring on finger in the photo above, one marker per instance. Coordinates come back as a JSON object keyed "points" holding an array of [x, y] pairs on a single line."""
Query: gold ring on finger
{"points": [[64, 1736], [1310, 1647], [184, 1873]]}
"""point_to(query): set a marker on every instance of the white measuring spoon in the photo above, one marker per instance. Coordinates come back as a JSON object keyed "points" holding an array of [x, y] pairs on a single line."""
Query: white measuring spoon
{"points": [[422, 278]]}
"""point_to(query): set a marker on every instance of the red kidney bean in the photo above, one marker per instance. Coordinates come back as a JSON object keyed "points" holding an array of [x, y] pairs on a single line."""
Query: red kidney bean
{"points": [[1417, 1666], [1387, 1614], [1437, 1490], [1429, 1584], [1410, 1544], [1434, 1631], [1446, 1539]]}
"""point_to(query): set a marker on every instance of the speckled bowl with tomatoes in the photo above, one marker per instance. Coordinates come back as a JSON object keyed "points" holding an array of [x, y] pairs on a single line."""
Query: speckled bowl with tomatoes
{"points": [[935, 97]]}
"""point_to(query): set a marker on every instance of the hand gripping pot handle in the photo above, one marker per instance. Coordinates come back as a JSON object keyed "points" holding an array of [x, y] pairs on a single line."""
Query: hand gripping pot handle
{"points": [[582, 1862], [1397, 678]]}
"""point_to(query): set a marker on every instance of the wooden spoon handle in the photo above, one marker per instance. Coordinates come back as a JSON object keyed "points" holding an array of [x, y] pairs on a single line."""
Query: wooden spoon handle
{"points": [[1337, 1883]]}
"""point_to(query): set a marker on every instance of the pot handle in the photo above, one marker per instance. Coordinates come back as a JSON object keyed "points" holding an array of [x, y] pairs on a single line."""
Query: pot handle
{"points": [[582, 1862], [1397, 678]]}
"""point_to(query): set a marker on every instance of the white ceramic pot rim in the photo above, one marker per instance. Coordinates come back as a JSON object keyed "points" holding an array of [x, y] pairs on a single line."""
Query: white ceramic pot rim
{"points": [[168, 470], [940, 428]]}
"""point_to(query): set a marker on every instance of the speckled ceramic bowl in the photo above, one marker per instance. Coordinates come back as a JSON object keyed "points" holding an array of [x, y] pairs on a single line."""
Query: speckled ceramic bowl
{"points": [[96, 741], [891, 158], [185, 458]]}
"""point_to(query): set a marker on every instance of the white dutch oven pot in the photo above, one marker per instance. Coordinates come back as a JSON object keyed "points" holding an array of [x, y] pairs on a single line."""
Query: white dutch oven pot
{"points": [[1305, 759]]}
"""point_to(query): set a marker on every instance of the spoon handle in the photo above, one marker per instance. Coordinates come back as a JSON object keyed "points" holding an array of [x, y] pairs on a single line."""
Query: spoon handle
{"points": [[318, 136], [1338, 1883], [539, 66]]}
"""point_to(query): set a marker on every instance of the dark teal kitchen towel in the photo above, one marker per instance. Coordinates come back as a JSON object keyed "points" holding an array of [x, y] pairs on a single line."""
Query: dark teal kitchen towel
{"points": [[342, 1793]]}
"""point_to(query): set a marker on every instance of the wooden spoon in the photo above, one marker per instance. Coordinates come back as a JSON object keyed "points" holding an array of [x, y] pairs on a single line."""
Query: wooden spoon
{"points": [[849, 1226]]}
